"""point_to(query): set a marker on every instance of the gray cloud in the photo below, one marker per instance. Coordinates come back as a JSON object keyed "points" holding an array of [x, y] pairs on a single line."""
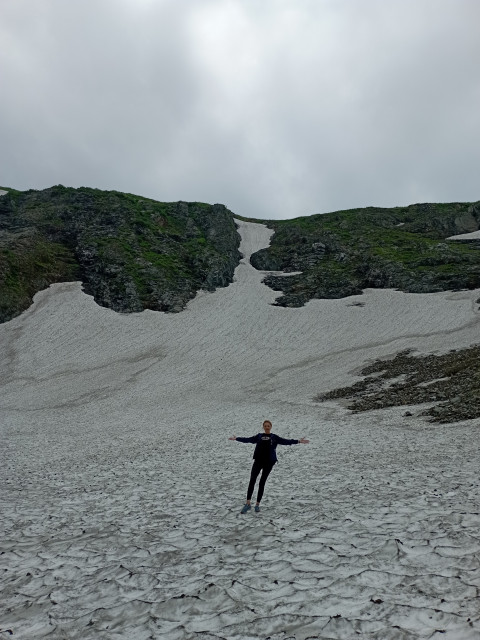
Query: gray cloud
{"points": [[275, 108]]}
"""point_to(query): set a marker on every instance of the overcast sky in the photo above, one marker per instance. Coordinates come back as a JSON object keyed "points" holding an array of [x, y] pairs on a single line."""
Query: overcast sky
{"points": [[276, 108]]}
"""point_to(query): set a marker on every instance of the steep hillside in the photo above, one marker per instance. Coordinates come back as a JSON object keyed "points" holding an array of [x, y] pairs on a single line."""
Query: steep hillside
{"points": [[342, 253], [131, 253], [121, 492]]}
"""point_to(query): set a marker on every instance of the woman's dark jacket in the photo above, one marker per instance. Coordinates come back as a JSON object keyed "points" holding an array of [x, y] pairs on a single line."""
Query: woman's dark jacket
{"points": [[273, 444]]}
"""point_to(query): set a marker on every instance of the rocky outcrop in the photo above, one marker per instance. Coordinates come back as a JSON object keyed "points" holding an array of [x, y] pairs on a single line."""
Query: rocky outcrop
{"points": [[342, 253], [451, 382], [130, 253]]}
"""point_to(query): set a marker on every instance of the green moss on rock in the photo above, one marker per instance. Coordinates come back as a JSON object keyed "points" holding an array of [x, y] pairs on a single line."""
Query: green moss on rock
{"points": [[131, 253], [342, 253]]}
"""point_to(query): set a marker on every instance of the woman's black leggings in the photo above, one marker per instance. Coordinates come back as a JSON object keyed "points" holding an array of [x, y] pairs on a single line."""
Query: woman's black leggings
{"points": [[265, 468]]}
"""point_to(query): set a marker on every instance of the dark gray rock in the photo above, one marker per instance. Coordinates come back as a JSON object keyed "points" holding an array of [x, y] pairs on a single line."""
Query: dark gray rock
{"points": [[342, 253], [451, 381], [130, 253]]}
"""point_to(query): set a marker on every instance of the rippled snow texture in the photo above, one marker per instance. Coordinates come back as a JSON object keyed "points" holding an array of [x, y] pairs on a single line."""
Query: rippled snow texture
{"points": [[121, 492]]}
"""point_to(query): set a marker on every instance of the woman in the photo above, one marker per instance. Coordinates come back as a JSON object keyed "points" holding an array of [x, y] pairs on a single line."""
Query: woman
{"points": [[264, 457]]}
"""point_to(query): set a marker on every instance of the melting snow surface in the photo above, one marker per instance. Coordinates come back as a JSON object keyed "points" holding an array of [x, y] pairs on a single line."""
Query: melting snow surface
{"points": [[121, 491], [474, 235]]}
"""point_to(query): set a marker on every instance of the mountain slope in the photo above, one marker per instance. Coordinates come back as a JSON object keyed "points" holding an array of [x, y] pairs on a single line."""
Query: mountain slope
{"points": [[130, 253], [133, 253], [342, 253], [121, 492]]}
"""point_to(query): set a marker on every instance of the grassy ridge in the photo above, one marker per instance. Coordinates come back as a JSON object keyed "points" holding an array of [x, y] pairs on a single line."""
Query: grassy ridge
{"points": [[342, 253], [130, 252], [31, 266]]}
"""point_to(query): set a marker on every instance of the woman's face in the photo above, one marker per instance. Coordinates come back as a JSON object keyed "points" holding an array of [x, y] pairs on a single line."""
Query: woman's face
{"points": [[267, 426]]}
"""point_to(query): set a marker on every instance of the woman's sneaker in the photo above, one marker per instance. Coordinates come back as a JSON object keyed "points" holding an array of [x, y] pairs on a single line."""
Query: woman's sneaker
{"points": [[245, 508], [257, 508]]}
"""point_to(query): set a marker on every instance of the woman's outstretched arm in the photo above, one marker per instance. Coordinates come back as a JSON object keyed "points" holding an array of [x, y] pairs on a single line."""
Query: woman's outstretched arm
{"points": [[288, 441]]}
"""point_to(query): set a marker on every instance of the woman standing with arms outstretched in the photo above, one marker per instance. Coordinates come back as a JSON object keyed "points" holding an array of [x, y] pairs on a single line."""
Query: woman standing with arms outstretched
{"points": [[264, 458]]}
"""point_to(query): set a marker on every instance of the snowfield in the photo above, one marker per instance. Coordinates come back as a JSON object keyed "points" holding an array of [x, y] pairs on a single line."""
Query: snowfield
{"points": [[121, 493]]}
